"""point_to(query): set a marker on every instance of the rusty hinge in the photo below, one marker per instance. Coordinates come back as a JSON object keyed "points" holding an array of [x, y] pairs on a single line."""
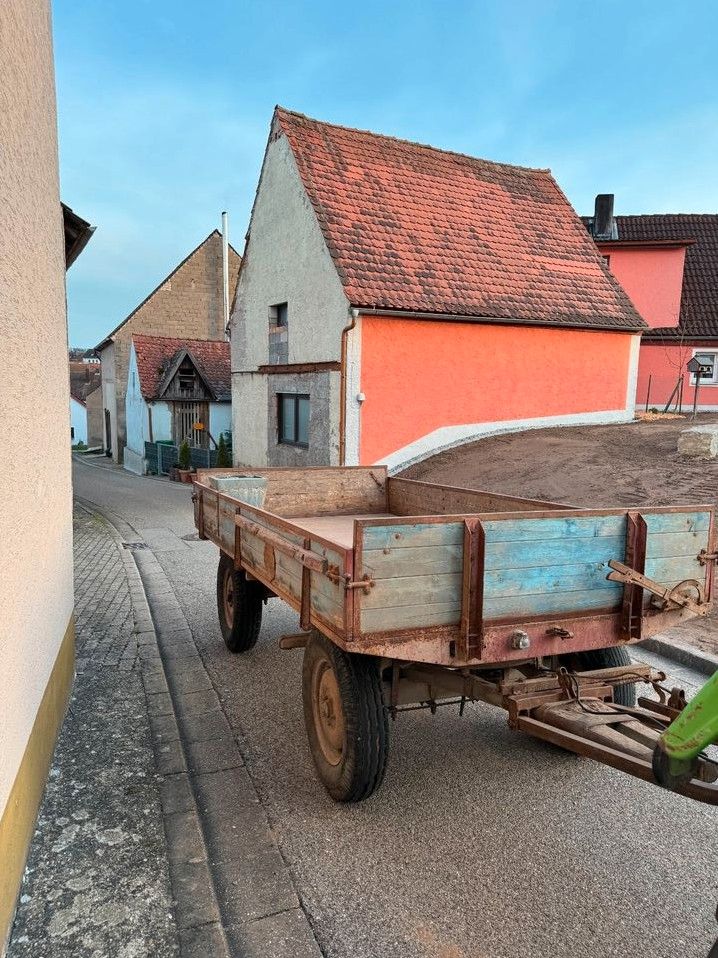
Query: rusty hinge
{"points": [[704, 557], [366, 582]]}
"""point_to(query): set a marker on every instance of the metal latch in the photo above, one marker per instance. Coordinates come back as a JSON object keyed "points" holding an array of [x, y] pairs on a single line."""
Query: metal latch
{"points": [[334, 575], [704, 557]]}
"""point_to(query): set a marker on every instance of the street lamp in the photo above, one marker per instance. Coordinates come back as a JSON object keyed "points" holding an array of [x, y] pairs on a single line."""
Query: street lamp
{"points": [[695, 367]]}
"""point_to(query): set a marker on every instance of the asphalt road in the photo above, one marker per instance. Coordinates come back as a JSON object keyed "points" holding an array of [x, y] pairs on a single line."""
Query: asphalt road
{"points": [[481, 843]]}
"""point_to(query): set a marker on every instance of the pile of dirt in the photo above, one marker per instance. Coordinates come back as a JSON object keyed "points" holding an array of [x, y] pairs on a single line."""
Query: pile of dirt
{"points": [[633, 464]]}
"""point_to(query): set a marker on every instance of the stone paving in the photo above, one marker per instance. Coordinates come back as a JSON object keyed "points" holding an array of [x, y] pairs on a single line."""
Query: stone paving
{"points": [[97, 881]]}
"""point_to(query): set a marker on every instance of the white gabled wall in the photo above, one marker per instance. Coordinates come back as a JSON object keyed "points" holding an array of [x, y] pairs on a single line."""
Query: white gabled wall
{"points": [[286, 260], [135, 409], [78, 421]]}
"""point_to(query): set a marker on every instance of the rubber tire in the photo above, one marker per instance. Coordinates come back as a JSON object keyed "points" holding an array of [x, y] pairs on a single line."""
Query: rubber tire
{"points": [[605, 659], [242, 633], [366, 742]]}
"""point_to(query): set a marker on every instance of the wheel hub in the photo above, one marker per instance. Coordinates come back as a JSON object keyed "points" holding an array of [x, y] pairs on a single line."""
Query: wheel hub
{"points": [[328, 713], [229, 597]]}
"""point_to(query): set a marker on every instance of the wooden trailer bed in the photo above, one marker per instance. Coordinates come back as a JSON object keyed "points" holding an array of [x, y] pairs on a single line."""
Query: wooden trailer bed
{"points": [[413, 595], [445, 575]]}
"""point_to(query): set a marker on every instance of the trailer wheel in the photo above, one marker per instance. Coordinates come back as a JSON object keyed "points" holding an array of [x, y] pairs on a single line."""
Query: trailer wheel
{"points": [[347, 724], [606, 659], [239, 605]]}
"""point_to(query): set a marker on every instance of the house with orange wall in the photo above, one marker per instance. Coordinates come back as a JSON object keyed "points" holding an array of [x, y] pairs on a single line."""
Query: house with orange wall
{"points": [[668, 265], [395, 300]]}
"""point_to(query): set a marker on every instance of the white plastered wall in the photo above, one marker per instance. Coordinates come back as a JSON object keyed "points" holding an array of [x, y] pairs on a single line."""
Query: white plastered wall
{"points": [[286, 260]]}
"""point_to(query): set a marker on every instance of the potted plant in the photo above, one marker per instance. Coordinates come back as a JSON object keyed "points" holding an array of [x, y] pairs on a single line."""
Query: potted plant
{"points": [[185, 462], [223, 460]]}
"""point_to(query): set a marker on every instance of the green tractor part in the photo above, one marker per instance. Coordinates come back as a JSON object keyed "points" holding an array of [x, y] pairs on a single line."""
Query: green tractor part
{"points": [[675, 758]]}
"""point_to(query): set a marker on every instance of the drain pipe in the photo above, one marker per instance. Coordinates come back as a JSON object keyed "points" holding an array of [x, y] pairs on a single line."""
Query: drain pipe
{"points": [[225, 274], [343, 389]]}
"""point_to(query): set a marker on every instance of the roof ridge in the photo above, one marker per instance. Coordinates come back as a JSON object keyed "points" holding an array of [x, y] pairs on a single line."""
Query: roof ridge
{"points": [[646, 216], [424, 146], [181, 339]]}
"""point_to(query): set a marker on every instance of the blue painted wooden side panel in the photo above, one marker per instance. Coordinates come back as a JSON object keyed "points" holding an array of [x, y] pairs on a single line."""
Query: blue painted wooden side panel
{"points": [[546, 566], [532, 567]]}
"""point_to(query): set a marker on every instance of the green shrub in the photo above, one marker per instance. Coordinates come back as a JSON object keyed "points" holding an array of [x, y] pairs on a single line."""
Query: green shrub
{"points": [[185, 457], [223, 460]]}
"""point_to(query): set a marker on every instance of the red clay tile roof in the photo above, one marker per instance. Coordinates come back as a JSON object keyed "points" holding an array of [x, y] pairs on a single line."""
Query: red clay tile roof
{"points": [[155, 354], [699, 298], [84, 379], [413, 228]]}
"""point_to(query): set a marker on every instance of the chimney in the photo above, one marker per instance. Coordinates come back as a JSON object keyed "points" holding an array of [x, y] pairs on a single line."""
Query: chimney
{"points": [[604, 225]]}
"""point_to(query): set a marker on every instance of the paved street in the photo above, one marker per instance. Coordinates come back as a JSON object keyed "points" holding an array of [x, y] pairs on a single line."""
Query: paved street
{"points": [[480, 843]]}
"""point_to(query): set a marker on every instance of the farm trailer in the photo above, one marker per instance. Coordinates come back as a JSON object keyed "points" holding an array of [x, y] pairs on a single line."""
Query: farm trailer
{"points": [[415, 595]]}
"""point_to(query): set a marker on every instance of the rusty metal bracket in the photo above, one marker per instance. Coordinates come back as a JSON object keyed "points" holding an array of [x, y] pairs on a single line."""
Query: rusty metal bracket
{"points": [[704, 557], [667, 595], [365, 583]]}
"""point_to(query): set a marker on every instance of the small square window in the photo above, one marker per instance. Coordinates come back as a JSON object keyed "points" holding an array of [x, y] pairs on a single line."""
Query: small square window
{"points": [[293, 419]]}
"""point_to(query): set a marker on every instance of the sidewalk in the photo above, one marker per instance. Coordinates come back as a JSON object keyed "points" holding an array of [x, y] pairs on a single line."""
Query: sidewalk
{"points": [[97, 881]]}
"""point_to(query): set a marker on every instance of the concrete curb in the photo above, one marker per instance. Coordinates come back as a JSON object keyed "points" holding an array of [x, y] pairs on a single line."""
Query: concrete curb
{"points": [[234, 891], [683, 653]]}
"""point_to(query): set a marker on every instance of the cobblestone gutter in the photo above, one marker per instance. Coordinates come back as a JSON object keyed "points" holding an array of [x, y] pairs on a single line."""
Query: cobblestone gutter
{"points": [[97, 881]]}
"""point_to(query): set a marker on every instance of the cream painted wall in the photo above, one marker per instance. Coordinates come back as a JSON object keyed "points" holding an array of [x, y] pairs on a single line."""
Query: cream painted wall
{"points": [[36, 522]]}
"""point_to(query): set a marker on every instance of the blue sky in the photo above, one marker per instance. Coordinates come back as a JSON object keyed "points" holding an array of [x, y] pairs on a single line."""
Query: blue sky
{"points": [[164, 107]]}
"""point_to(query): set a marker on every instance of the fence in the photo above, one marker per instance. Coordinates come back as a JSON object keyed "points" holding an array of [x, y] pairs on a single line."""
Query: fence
{"points": [[161, 456]]}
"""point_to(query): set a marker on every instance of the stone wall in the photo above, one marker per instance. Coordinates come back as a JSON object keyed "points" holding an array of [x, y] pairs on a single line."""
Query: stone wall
{"points": [[94, 417], [188, 304]]}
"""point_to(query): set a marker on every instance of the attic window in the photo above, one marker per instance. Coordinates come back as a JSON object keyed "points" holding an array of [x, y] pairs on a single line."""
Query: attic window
{"points": [[278, 334], [186, 377], [278, 315]]}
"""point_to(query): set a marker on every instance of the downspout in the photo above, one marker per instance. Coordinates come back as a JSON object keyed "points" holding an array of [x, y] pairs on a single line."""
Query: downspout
{"points": [[343, 389]]}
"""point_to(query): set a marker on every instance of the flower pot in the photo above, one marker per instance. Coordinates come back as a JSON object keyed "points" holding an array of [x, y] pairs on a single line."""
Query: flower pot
{"points": [[185, 475]]}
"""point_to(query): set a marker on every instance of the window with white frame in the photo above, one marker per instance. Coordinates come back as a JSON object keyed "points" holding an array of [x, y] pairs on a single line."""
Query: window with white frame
{"points": [[709, 368]]}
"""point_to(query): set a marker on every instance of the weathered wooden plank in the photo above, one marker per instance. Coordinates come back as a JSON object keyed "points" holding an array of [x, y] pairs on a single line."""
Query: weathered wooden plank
{"points": [[317, 491], [676, 522], [581, 577], [525, 555], [674, 569], [411, 497], [415, 590], [327, 597], [666, 544], [526, 530], [407, 536], [564, 603], [331, 555], [326, 491], [226, 533], [389, 563], [410, 617]]}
